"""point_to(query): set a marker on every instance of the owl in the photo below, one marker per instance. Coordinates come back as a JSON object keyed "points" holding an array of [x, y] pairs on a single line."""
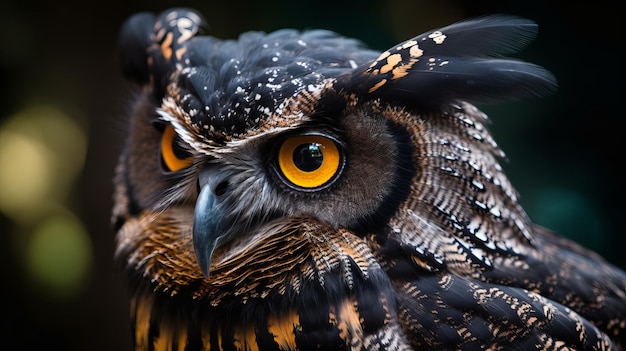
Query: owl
{"points": [[296, 190]]}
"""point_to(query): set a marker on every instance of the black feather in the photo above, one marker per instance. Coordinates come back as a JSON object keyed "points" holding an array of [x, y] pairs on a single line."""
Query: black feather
{"points": [[487, 35], [471, 79], [457, 62], [134, 41]]}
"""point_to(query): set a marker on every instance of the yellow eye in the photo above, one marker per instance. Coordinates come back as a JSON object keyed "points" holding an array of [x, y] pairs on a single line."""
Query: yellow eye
{"points": [[309, 161], [174, 157]]}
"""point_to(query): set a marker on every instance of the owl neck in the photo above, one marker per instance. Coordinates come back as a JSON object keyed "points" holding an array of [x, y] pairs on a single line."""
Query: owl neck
{"points": [[461, 212]]}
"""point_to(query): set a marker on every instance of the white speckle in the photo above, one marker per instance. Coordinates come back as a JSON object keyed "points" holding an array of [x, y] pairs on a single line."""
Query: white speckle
{"points": [[301, 42], [480, 234], [467, 121], [495, 211], [240, 90], [274, 87], [450, 171], [474, 225], [257, 97], [314, 88], [247, 110], [438, 37], [274, 59], [408, 44], [478, 184], [480, 204], [264, 110], [353, 64], [473, 165]]}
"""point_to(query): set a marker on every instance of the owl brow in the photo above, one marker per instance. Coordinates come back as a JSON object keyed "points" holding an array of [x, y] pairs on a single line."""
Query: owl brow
{"points": [[316, 129], [193, 140]]}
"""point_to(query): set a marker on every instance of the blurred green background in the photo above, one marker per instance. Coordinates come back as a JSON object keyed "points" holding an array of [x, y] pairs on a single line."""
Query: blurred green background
{"points": [[62, 121]]}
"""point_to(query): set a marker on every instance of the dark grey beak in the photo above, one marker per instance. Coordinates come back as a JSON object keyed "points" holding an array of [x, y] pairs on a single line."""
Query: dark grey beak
{"points": [[207, 219]]}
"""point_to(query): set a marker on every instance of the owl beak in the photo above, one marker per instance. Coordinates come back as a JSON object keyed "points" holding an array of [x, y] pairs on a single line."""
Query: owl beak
{"points": [[206, 221]]}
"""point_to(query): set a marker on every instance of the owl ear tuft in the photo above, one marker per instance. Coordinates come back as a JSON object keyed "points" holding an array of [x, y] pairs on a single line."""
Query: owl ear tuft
{"points": [[134, 40], [152, 46], [461, 61]]}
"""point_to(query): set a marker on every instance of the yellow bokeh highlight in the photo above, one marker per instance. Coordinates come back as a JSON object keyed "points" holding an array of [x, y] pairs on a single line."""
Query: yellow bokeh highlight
{"points": [[59, 255], [42, 151], [23, 173]]}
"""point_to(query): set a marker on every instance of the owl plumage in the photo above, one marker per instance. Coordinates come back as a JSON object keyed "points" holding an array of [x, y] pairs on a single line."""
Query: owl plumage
{"points": [[296, 190]]}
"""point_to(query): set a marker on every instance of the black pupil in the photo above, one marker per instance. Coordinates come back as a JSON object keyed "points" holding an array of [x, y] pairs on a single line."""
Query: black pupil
{"points": [[178, 150], [308, 157]]}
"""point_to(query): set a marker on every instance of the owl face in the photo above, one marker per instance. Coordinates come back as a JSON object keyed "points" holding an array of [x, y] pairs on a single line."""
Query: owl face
{"points": [[339, 170], [235, 143]]}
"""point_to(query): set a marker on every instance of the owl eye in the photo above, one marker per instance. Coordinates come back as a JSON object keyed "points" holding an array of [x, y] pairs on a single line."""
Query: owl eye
{"points": [[173, 156], [309, 161]]}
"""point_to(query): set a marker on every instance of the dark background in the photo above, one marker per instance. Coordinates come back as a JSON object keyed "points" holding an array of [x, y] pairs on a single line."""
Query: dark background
{"points": [[565, 150]]}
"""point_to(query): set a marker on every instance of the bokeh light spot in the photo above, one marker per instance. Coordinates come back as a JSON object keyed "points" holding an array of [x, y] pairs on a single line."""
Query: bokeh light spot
{"points": [[24, 173], [59, 256], [42, 151]]}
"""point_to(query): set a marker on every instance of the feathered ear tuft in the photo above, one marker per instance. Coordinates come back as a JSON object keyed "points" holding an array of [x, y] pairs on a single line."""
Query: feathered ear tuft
{"points": [[152, 46], [455, 62], [134, 40]]}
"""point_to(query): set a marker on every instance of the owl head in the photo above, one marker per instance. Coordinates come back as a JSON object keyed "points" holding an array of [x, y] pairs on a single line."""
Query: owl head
{"points": [[240, 149]]}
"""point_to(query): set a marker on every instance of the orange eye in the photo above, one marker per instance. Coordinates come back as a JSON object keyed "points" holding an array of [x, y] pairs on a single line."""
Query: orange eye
{"points": [[173, 155], [309, 161]]}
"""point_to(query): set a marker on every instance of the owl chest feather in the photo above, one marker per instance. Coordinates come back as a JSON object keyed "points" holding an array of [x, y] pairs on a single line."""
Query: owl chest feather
{"points": [[303, 285]]}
